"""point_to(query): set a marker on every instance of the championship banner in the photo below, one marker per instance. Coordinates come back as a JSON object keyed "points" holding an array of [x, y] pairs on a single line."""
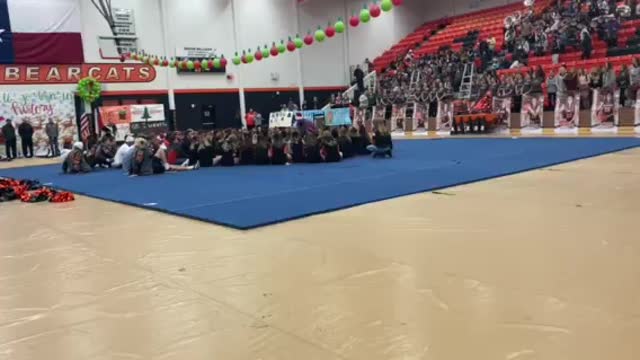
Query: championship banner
{"points": [[420, 112], [444, 117], [148, 119], [120, 116], [567, 114], [398, 113], [605, 112], [501, 106], [532, 114], [636, 119], [281, 119], [38, 107]]}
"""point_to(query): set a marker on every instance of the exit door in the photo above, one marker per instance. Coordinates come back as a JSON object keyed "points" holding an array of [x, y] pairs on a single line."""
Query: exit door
{"points": [[208, 117]]}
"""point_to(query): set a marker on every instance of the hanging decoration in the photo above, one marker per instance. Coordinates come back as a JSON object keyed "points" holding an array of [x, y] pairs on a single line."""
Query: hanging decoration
{"points": [[354, 21], [364, 16], [281, 47], [330, 31], [374, 10], [274, 50], [308, 39], [89, 89], [320, 35], [249, 57], [291, 46], [340, 26]]}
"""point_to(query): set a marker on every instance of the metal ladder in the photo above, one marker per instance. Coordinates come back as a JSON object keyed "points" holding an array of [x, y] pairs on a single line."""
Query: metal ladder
{"points": [[415, 79], [467, 81]]}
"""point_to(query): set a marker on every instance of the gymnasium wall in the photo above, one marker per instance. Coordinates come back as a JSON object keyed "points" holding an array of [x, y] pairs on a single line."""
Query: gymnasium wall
{"points": [[209, 23], [441, 9]]}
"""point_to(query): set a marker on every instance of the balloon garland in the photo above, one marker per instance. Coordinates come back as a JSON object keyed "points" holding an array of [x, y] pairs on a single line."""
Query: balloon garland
{"points": [[89, 89], [368, 13]]}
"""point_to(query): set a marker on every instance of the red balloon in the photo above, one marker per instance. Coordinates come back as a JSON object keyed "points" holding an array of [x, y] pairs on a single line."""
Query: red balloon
{"points": [[244, 59], [354, 21], [308, 39], [223, 62], [274, 51], [258, 55], [197, 65], [330, 31], [165, 62], [374, 10], [156, 62], [183, 66], [291, 46], [397, 2], [122, 58]]}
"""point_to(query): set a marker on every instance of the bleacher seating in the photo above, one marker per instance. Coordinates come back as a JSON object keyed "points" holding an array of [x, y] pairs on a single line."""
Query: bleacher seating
{"points": [[469, 29]]}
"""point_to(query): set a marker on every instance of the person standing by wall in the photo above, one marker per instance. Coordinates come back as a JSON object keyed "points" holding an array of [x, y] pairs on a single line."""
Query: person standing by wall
{"points": [[359, 75], [9, 133], [26, 136], [51, 129]]}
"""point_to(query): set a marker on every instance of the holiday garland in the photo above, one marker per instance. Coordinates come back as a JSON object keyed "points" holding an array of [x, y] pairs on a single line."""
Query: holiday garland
{"points": [[89, 89], [366, 14]]}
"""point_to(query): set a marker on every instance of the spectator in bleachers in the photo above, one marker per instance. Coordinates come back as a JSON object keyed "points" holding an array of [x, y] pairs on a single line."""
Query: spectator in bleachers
{"points": [[585, 91], [552, 89], [586, 43]]}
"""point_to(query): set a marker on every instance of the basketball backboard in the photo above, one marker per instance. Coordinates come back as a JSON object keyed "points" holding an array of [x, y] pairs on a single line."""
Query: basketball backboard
{"points": [[108, 46]]}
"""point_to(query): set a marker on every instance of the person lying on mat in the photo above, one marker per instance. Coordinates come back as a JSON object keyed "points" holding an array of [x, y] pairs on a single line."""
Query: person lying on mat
{"points": [[75, 162], [382, 143], [142, 159], [123, 151], [159, 161]]}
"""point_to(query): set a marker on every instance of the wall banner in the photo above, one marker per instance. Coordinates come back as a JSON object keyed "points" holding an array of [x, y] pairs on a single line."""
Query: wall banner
{"points": [[501, 106], [71, 74], [38, 107], [398, 113], [420, 112], [605, 112], [532, 114], [567, 114], [444, 117]]}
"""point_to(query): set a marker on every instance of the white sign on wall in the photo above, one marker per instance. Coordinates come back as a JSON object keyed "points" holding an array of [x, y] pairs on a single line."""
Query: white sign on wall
{"points": [[147, 113], [195, 52]]}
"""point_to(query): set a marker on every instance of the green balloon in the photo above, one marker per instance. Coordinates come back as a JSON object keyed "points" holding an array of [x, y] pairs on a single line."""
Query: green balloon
{"points": [[265, 52], [299, 43], [281, 48], [205, 64], [365, 16], [249, 58], [172, 63], [190, 65], [320, 35], [340, 27], [386, 5], [216, 63], [236, 60]]}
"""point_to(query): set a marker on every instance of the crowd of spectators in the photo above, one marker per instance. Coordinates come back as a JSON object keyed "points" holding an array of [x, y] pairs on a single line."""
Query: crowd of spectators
{"points": [[561, 27]]}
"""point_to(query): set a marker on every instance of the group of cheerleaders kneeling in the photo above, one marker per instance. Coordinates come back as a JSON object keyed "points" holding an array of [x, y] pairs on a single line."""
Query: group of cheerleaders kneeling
{"points": [[230, 147]]}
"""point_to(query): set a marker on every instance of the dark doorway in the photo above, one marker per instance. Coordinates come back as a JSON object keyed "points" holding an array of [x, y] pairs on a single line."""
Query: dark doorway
{"points": [[208, 117]]}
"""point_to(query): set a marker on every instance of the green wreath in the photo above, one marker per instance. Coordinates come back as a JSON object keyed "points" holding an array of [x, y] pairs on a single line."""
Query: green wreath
{"points": [[89, 89]]}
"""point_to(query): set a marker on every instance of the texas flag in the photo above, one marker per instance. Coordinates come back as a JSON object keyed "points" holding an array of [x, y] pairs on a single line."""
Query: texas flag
{"points": [[40, 32]]}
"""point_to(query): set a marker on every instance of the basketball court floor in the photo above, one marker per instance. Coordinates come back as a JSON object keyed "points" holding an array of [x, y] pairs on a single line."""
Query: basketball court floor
{"points": [[540, 265]]}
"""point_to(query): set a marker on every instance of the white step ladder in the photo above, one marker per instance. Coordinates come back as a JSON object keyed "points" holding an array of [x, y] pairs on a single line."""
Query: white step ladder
{"points": [[467, 81]]}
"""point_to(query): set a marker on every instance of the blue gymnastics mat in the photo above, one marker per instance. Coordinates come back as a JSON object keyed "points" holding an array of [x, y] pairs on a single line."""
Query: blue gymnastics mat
{"points": [[246, 197]]}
